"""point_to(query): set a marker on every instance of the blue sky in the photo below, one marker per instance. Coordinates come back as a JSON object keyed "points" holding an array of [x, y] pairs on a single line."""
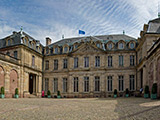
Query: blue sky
{"points": [[53, 18]]}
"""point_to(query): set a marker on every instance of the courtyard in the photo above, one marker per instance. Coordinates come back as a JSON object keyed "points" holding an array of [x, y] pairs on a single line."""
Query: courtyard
{"points": [[79, 109]]}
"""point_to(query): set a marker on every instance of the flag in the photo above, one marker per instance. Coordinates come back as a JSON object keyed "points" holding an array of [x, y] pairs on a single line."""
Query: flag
{"points": [[81, 32]]}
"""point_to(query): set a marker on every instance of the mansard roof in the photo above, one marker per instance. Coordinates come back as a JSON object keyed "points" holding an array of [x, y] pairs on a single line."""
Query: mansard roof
{"points": [[16, 38], [154, 26], [103, 38]]}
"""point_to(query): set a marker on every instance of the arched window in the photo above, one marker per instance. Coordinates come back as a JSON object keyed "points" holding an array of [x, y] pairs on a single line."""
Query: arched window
{"points": [[9, 42], [56, 50], [76, 46], [98, 45], [110, 46], [65, 49], [121, 45], [131, 45]]}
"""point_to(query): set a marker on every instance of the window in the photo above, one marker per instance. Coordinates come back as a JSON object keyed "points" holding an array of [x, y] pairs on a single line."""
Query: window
{"points": [[86, 84], [47, 50], [65, 49], [110, 46], [121, 45], [56, 50], [9, 42], [33, 60], [131, 60], [46, 84], [97, 84], [109, 83], [121, 60], [75, 84], [109, 61], [86, 61], [131, 45], [64, 84], [75, 62], [121, 83], [65, 63], [97, 61], [76, 46], [47, 65], [55, 84], [56, 64], [25, 41], [15, 54], [131, 82], [32, 45], [98, 45]]}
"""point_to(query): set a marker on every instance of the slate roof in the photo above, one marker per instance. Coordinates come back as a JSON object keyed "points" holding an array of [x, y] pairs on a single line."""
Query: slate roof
{"points": [[103, 38], [154, 26]]}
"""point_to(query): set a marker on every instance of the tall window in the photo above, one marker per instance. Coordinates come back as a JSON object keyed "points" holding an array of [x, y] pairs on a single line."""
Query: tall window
{"points": [[47, 65], [110, 46], [64, 84], [56, 50], [46, 84], [97, 61], [121, 60], [65, 63], [65, 49], [15, 54], [131, 77], [86, 61], [109, 61], [55, 84], [121, 45], [132, 45], [56, 64], [98, 45], [33, 60], [97, 84], [75, 62], [75, 87], [109, 83], [9, 42], [86, 84], [121, 84], [131, 60]]}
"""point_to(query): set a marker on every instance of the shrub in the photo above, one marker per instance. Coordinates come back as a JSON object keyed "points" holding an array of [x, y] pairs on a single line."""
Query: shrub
{"points": [[2, 90], [154, 88], [115, 91], [48, 93], [127, 91], [58, 93], [16, 91], [146, 91]]}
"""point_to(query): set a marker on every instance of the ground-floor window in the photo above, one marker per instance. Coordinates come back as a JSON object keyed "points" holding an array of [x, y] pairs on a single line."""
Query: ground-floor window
{"points": [[131, 82], [55, 84], [75, 86], [64, 84], [97, 84], [109, 83], [121, 83], [46, 84], [86, 84]]}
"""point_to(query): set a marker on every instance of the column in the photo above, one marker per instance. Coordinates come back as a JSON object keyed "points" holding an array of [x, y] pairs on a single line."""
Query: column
{"points": [[7, 84]]}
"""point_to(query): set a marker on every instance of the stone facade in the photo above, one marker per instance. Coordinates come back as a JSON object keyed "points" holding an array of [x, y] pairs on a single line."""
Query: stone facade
{"points": [[90, 66]]}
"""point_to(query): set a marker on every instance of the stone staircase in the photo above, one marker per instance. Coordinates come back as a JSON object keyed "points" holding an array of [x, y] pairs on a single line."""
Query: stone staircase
{"points": [[32, 96]]}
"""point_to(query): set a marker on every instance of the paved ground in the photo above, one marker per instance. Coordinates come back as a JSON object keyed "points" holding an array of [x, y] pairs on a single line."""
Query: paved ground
{"points": [[80, 109]]}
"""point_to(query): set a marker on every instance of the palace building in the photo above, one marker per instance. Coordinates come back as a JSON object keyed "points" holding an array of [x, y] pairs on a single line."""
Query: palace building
{"points": [[89, 66]]}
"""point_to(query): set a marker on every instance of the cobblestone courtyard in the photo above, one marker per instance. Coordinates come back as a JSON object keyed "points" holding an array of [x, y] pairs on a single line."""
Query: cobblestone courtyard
{"points": [[79, 109]]}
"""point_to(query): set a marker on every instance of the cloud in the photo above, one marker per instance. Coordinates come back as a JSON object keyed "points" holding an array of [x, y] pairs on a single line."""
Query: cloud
{"points": [[55, 18]]}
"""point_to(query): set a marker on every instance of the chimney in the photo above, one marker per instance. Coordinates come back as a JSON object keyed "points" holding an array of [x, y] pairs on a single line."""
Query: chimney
{"points": [[48, 41]]}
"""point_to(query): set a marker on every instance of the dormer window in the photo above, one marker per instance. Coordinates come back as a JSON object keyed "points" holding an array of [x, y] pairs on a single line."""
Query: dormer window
{"points": [[47, 50], [131, 45], [121, 45], [32, 45], [76, 46], [56, 50], [98, 45], [65, 49], [110, 46], [9, 42]]}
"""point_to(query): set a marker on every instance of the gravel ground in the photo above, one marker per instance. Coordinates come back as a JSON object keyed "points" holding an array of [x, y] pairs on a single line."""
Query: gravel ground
{"points": [[79, 109]]}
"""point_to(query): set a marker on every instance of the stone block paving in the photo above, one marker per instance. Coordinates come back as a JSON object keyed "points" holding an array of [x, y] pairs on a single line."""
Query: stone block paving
{"points": [[79, 109]]}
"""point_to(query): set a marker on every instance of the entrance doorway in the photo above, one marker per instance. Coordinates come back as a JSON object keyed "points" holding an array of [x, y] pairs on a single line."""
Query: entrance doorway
{"points": [[32, 83]]}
